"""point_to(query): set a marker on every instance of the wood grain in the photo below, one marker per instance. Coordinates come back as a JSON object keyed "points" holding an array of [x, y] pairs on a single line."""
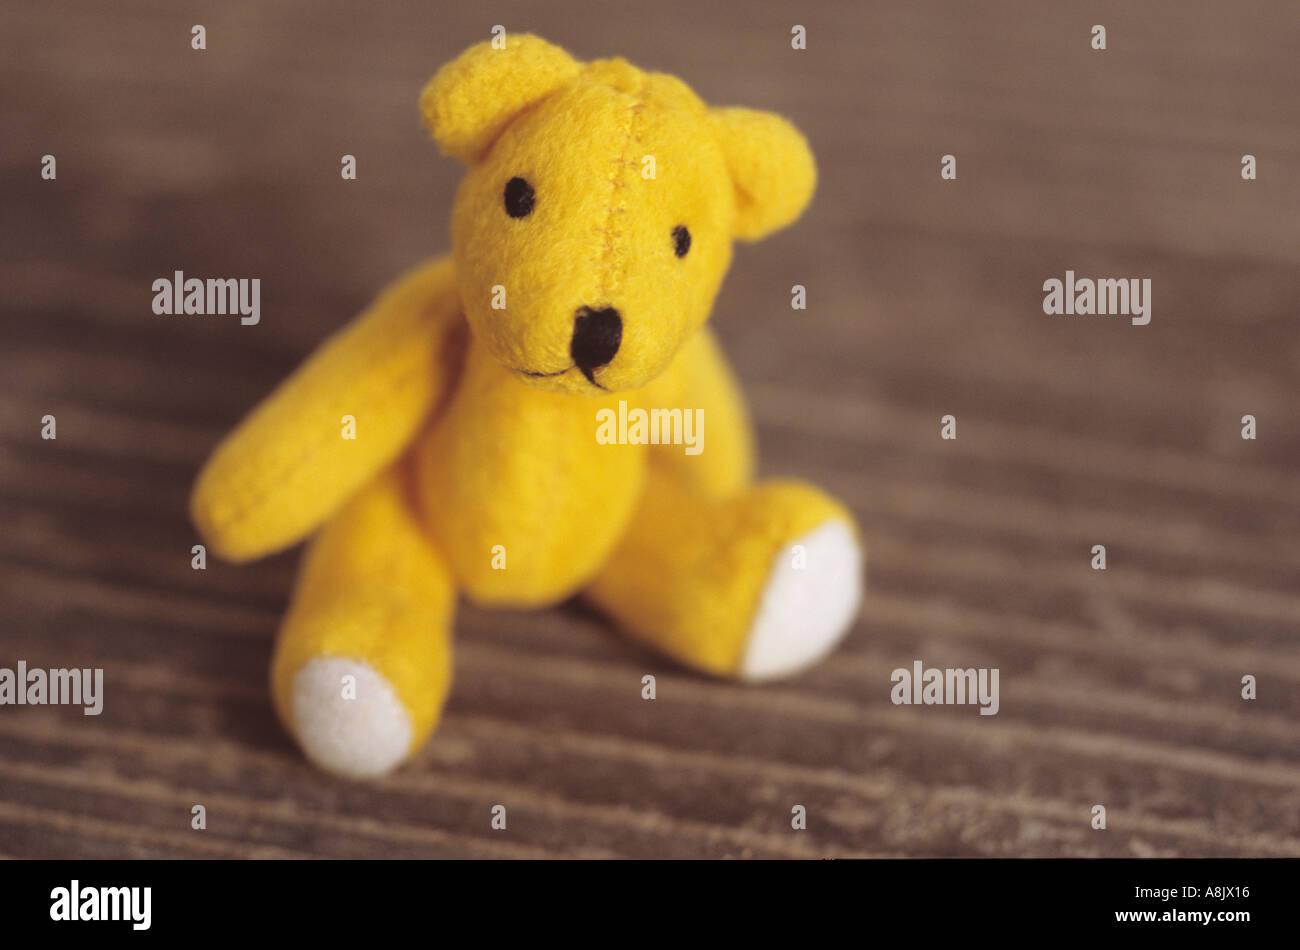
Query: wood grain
{"points": [[1119, 688]]}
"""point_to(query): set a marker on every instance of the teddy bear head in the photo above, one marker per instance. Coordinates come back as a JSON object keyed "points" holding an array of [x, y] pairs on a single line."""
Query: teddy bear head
{"points": [[594, 225]]}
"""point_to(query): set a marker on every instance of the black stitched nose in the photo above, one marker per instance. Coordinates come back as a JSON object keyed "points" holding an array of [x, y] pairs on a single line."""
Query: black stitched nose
{"points": [[596, 336]]}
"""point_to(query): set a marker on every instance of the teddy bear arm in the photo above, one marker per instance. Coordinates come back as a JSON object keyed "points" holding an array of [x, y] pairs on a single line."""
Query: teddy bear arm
{"points": [[704, 381], [342, 416]]}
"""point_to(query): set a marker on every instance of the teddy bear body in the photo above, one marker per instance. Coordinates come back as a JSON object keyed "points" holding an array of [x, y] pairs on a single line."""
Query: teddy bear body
{"points": [[589, 239], [556, 501]]}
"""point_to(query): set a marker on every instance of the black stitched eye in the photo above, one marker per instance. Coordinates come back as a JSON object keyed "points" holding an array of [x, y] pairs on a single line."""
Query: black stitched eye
{"points": [[519, 198], [681, 240]]}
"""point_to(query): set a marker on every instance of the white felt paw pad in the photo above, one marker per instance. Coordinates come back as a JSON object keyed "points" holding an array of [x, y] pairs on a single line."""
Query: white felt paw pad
{"points": [[808, 604], [355, 727]]}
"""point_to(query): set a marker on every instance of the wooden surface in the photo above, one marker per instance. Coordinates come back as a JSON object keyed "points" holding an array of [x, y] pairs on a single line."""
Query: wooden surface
{"points": [[1118, 688]]}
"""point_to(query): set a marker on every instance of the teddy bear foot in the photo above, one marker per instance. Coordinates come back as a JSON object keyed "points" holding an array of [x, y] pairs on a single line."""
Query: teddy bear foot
{"points": [[348, 718], [808, 603], [756, 585]]}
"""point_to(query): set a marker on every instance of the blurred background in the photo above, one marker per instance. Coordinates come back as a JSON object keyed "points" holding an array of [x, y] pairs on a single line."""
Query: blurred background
{"points": [[1119, 688]]}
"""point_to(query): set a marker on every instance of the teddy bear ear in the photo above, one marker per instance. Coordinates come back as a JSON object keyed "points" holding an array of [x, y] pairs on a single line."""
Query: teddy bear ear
{"points": [[473, 98], [771, 167]]}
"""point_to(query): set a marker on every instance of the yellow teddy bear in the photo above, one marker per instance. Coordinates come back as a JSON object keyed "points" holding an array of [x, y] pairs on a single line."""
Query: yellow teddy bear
{"points": [[590, 236]]}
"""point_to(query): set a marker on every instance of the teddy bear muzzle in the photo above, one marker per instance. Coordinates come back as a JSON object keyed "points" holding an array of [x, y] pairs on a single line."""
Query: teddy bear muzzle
{"points": [[596, 338]]}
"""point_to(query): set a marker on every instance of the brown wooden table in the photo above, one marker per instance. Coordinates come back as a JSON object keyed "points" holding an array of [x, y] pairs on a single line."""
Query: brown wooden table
{"points": [[1119, 688]]}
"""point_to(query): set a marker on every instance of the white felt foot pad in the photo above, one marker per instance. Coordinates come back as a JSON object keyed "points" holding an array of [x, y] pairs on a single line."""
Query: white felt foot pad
{"points": [[359, 737], [807, 605]]}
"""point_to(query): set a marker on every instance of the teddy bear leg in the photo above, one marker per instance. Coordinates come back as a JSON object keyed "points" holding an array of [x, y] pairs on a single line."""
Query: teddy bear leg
{"points": [[757, 585], [363, 660]]}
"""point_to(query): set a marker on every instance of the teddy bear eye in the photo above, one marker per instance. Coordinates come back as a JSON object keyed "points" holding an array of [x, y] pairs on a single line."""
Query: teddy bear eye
{"points": [[519, 198], [681, 240]]}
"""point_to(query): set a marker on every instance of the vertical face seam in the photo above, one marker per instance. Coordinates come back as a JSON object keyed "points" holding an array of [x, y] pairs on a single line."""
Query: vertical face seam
{"points": [[608, 280]]}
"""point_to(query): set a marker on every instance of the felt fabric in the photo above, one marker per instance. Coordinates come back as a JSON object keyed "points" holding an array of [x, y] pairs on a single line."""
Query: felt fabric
{"points": [[703, 379], [518, 467], [474, 97], [477, 469], [617, 160], [348, 718], [688, 575], [288, 467], [372, 588], [813, 586], [772, 168]]}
